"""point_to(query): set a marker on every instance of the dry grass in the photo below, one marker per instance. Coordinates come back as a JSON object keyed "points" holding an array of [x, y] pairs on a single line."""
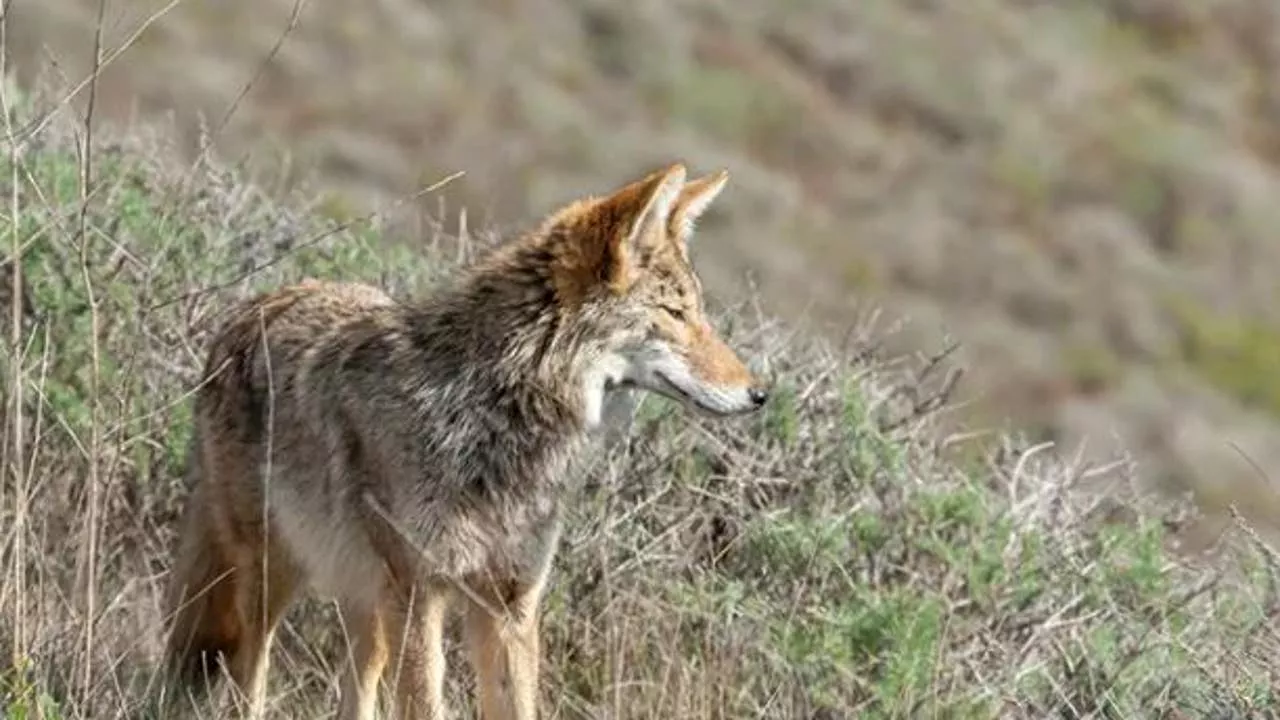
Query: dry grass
{"points": [[839, 556]]}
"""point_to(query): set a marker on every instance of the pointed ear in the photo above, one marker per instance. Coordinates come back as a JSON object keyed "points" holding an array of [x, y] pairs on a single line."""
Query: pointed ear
{"points": [[641, 211], [649, 202], [694, 200]]}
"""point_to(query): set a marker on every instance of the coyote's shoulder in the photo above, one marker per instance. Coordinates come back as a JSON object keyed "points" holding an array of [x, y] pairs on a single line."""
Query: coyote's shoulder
{"points": [[389, 452]]}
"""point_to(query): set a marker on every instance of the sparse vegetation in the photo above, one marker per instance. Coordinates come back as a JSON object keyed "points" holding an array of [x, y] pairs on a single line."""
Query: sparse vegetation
{"points": [[837, 556]]}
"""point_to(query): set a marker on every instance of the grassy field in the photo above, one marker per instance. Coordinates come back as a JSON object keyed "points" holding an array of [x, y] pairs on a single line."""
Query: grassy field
{"points": [[839, 556]]}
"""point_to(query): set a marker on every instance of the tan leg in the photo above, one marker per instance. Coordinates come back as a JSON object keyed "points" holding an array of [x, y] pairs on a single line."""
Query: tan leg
{"points": [[261, 607], [523, 651], [504, 649], [484, 642], [415, 634], [265, 577], [368, 647]]}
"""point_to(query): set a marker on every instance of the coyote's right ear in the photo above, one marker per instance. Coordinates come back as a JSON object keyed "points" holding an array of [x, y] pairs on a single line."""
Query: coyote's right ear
{"points": [[638, 213], [694, 199]]}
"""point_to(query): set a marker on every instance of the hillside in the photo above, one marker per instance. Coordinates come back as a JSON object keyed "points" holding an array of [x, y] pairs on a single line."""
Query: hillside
{"points": [[1081, 192], [840, 556]]}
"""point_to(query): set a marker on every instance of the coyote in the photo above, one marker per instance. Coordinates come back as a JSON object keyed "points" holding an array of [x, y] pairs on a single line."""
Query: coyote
{"points": [[402, 457]]}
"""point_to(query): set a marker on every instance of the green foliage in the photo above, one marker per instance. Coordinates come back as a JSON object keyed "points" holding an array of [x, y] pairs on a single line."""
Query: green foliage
{"points": [[21, 696], [878, 594], [868, 452], [1238, 355], [781, 417], [142, 246]]}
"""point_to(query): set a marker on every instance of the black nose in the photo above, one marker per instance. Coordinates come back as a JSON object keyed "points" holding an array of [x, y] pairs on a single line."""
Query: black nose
{"points": [[758, 396]]}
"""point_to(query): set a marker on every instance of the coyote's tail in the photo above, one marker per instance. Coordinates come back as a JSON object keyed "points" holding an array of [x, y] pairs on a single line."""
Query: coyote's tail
{"points": [[205, 625]]}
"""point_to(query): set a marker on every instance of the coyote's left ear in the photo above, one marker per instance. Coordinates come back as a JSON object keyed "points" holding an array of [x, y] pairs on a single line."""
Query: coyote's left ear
{"points": [[641, 211], [694, 199]]}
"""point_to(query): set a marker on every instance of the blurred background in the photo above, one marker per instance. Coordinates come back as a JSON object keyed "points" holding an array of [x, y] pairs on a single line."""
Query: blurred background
{"points": [[1083, 194]]}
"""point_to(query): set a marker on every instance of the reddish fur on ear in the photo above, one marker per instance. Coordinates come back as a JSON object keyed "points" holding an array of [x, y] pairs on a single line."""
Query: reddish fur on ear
{"points": [[641, 210], [605, 239]]}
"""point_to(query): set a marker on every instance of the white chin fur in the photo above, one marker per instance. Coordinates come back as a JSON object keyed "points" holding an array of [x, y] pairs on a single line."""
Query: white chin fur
{"points": [[607, 374]]}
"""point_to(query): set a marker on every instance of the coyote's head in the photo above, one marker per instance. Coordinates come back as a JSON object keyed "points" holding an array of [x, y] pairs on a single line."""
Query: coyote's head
{"points": [[623, 279]]}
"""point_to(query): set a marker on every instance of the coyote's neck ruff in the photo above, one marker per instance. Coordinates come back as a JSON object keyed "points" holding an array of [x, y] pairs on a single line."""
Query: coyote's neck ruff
{"points": [[493, 387], [500, 347], [399, 446]]}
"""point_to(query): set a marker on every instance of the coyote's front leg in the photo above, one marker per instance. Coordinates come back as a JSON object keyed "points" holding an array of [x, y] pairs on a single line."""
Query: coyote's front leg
{"points": [[414, 625], [503, 642]]}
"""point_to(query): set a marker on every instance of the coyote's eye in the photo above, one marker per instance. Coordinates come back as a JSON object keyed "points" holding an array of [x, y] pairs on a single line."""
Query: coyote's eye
{"points": [[676, 313]]}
